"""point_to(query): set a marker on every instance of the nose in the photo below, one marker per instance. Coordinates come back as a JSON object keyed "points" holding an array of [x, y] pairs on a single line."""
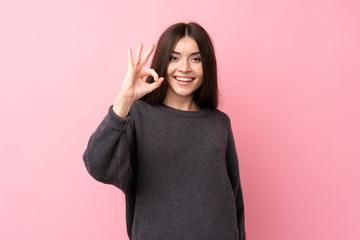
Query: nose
{"points": [[184, 66]]}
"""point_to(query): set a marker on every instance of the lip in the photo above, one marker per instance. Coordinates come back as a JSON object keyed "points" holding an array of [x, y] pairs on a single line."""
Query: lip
{"points": [[184, 77], [183, 83]]}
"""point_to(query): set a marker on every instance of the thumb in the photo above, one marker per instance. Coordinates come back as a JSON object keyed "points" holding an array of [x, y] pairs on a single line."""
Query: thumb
{"points": [[154, 85]]}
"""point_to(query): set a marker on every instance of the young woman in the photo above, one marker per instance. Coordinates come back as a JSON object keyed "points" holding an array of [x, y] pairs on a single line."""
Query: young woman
{"points": [[168, 148]]}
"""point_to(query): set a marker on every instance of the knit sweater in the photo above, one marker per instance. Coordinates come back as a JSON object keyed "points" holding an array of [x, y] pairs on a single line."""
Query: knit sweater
{"points": [[178, 170]]}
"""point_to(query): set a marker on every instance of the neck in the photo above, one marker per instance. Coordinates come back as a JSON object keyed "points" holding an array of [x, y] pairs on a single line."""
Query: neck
{"points": [[181, 103]]}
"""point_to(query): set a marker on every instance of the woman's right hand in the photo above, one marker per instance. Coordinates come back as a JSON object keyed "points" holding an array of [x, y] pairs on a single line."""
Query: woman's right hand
{"points": [[134, 85]]}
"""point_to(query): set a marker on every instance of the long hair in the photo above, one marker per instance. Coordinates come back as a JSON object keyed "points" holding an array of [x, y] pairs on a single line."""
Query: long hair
{"points": [[207, 94]]}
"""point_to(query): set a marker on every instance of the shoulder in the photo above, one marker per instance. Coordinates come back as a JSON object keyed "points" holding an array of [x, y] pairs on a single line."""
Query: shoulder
{"points": [[140, 105], [220, 116], [141, 110]]}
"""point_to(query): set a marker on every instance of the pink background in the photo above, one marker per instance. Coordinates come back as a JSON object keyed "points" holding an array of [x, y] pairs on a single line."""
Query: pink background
{"points": [[289, 78]]}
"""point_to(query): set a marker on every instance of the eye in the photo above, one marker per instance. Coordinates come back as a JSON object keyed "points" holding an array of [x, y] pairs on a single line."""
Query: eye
{"points": [[173, 58], [196, 59]]}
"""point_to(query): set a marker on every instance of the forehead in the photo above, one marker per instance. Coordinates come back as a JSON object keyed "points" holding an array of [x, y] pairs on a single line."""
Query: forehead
{"points": [[186, 45]]}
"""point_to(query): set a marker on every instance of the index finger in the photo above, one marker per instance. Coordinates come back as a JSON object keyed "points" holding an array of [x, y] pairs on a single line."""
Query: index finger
{"points": [[147, 55], [151, 72]]}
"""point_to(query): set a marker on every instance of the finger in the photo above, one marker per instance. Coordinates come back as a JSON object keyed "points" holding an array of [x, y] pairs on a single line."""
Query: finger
{"points": [[155, 85], [138, 54], [151, 72], [147, 55], [130, 59], [161, 80]]}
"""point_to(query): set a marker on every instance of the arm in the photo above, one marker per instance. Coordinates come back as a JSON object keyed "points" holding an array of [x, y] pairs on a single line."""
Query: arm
{"points": [[234, 176], [108, 155]]}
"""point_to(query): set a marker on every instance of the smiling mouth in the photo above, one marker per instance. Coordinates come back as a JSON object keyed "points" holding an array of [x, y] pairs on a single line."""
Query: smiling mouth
{"points": [[184, 79]]}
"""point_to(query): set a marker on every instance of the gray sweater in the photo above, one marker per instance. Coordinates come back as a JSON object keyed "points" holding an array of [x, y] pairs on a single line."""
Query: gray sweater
{"points": [[178, 170]]}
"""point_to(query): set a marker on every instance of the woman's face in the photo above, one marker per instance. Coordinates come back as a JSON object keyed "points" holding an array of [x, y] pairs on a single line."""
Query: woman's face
{"points": [[185, 72]]}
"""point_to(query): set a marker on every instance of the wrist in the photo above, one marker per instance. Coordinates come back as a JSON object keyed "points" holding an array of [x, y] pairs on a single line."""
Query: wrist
{"points": [[122, 105]]}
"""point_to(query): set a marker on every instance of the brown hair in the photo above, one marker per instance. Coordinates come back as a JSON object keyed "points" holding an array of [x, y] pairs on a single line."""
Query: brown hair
{"points": [[207, 94]]}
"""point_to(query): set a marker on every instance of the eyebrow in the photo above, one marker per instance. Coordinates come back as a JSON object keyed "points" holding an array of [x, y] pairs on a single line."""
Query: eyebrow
{"points": [[194, 53]]}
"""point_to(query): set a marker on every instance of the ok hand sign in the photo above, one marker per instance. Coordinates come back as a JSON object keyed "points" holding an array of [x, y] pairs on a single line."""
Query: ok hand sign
{"points": [[134, 86]]}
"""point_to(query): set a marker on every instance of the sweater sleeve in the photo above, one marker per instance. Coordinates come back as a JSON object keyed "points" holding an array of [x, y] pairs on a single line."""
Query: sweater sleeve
{"points": [[234, 176], [109, 151]]}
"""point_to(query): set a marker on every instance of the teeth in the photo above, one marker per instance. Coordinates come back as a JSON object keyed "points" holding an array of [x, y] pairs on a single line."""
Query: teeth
{"points": [[184, 79]]}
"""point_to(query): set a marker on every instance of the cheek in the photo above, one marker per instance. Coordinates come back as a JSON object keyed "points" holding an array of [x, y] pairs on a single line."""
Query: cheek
{"points": [[170, 69], [201, 81], [201, 75], [200, 71]]}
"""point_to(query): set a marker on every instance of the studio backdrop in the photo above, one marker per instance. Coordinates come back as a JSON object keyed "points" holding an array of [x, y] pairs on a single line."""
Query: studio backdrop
{"points": [[289, 80]]}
